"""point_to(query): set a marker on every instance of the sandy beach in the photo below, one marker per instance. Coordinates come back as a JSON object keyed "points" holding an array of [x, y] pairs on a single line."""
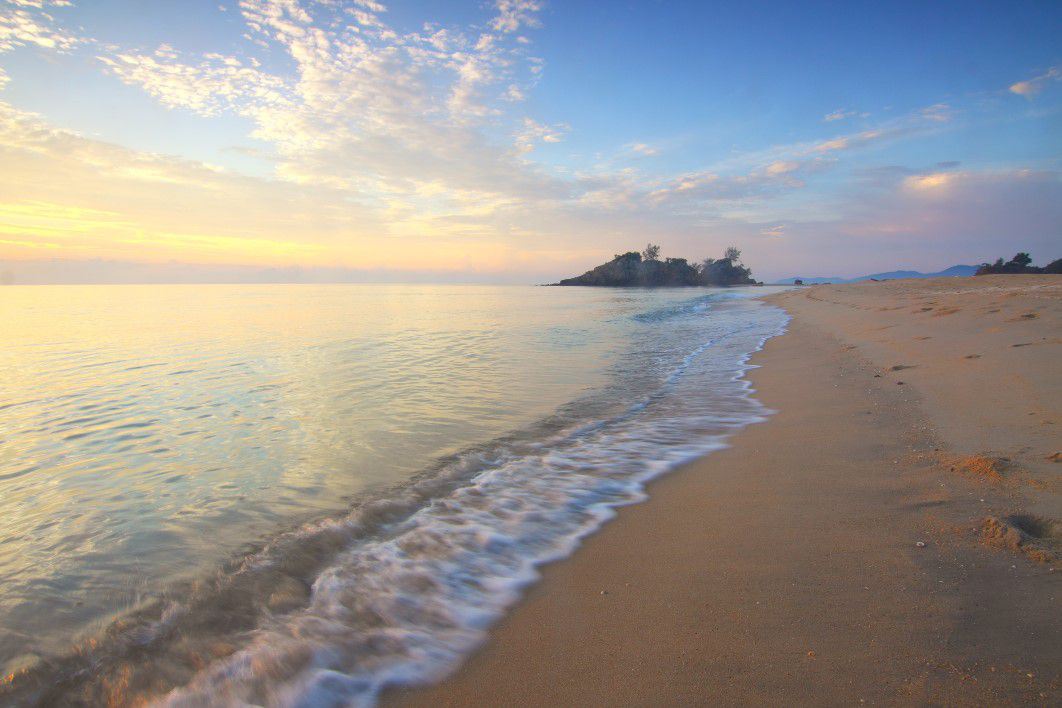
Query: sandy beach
{"points": [[889, 536]]}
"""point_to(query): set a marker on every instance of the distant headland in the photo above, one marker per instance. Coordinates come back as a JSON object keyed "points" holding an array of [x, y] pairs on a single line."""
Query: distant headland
{"points": [[1020, 264], [646, 270]]}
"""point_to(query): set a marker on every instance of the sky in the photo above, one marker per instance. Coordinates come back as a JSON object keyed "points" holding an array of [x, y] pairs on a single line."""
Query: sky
{"points": [[522, 140]]}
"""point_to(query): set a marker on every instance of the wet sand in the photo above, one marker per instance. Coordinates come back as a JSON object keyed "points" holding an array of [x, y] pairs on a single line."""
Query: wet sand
{"points": [[889, 536]]}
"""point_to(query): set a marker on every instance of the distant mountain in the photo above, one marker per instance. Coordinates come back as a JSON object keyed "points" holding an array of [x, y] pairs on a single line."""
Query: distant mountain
{"points": [[956, 271]]}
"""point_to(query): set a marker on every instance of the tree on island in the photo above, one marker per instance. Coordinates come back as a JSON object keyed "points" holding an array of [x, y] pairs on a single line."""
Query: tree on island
{"points": [[725, 271], [633, 269]]}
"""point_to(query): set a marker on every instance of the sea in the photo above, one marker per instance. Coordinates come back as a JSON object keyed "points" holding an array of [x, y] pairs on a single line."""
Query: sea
{"points": [[299, 495]]}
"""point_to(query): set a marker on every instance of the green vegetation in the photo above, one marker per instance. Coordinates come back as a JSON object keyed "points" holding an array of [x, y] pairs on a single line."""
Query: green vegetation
{"points": [[646, 270], [1020, 263]]}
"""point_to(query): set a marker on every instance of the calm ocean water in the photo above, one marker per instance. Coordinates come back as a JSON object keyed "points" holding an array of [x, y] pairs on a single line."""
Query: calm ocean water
{"points": [[295, 495]]}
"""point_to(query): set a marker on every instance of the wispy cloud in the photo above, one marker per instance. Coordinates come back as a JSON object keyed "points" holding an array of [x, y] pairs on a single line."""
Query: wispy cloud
{"points": [[643, 149], [532, 132], [937, 113], [1033, 86], [843, 114], [918, 122], [711, 187], [931, 183]]}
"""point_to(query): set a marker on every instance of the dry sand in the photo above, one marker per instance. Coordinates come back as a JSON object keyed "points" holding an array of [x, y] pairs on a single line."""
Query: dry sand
{"points": [[872, 542]]}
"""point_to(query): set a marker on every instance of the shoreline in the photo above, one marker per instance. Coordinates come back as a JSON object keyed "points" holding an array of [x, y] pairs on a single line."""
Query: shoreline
{"points": [[787, 567]]}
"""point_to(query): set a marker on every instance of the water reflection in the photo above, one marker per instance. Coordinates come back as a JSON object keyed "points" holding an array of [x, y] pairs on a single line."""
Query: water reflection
{"points": [[149, 432]]}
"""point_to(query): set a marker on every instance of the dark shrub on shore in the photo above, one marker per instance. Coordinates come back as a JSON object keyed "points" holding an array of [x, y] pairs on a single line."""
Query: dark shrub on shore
{"points": [[1019, 264]]}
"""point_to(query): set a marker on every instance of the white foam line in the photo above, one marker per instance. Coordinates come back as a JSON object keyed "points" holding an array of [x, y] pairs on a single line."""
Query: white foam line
{"points": [[408, 607]]}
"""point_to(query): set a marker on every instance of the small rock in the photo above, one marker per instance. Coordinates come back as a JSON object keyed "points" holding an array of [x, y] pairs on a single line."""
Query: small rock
{"points": [[604, 592], [921, 544]]}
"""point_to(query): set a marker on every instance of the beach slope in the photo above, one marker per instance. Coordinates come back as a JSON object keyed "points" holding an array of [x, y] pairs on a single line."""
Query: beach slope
{"points": [[890, 535]]}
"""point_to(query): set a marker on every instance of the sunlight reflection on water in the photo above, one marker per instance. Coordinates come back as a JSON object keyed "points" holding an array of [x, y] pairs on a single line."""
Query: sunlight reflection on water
{"points": [[149, 432]]}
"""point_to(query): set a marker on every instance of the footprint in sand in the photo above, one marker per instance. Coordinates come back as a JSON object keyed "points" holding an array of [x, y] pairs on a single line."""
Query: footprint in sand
{"points": [[1024, 317], [972, 356], [1036, 536], [901, 367]]}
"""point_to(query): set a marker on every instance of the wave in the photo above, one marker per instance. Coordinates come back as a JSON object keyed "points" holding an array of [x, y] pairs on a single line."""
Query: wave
{"points": [[694, 306], [399, 590]]}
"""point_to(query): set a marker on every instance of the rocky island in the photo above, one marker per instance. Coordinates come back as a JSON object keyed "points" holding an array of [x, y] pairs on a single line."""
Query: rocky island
{"points": [[646, 270]]}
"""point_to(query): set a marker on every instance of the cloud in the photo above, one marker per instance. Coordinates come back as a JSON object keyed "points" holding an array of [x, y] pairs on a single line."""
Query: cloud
{"points": [[208, 87], [643, 149], [513, 14], [369, 110], [829, 145], [95, 198], [782, 167], [40, 4], [533, 132], [88, 199], [749, 181], [848, 142], [933, 182], [1033, 86], [920, 122], [26, 24], [709, 187], [938, 113], [843, 114]]}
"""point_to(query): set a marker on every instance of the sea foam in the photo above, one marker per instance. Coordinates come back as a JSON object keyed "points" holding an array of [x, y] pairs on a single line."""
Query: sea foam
{"points": [[405, 603]]}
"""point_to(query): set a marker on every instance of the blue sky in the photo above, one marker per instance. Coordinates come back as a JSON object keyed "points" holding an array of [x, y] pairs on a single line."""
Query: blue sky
{"points": [[521, 140]]}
